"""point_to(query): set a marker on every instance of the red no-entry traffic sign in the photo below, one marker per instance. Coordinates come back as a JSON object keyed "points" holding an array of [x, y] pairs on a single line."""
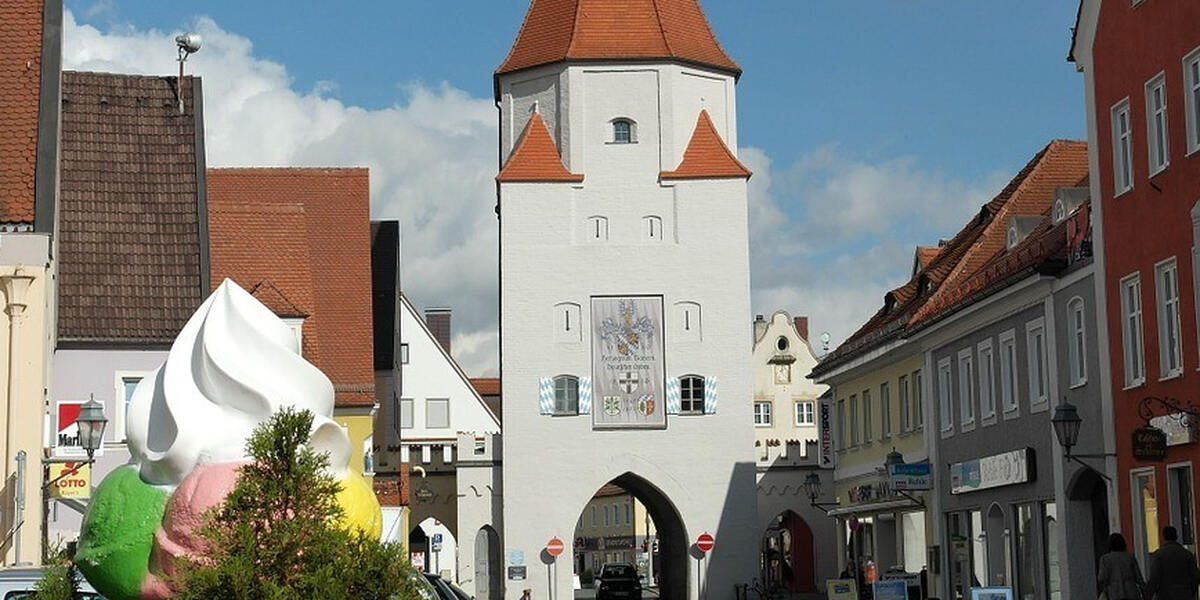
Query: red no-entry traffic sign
{"points": [[554, 547], [705, 542]]}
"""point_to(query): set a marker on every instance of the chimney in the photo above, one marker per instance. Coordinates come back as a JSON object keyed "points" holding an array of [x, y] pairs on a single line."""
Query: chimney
{"points": [[802, 327], [760, 327], [438, 321]]}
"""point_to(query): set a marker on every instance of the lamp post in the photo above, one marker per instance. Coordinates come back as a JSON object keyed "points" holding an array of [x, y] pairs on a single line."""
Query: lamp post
{"points": [[91, 422], [1067, 422], [812, 487]]}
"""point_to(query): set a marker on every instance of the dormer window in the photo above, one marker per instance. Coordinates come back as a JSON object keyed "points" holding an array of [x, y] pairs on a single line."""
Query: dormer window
{"points": [[624, 131], [1012, 237]]}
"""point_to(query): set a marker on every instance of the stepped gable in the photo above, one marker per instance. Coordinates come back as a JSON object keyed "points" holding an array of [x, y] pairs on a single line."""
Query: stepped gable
{"points": [[707, 156], [593, 30], [20, 85], [535, 158]]}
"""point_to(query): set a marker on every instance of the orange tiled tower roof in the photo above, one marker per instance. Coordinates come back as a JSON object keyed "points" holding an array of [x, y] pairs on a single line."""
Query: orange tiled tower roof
{"points": [[559, 30], [535, 158], [707, 156]]}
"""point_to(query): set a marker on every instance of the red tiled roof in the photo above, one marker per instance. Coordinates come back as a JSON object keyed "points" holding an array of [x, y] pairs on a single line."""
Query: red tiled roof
{"points": [[707, 156], [535, 158], [20, 81], [130, 230], [486, 386], [325, 213], [926, 254], [560, 30]]}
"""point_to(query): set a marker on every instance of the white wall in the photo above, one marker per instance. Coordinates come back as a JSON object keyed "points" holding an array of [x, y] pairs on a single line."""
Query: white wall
{"points": [[553, 465], [783, 396]]}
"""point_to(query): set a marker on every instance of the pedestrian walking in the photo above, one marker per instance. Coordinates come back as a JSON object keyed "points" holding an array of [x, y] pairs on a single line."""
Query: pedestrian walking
{"points": [[1173, 571], [1119, 576]]}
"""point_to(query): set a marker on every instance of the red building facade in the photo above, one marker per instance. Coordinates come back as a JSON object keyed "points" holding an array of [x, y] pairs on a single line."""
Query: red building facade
{"points": [[1141, 63]]}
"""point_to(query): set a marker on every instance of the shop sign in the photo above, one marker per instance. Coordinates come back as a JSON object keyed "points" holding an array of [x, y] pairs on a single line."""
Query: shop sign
{"points": [[870, 492], [424, 494], [1179, 427], [825, 453], [71, 480], [917, 476], [66, 438], [1149, 443], [998, 470]]}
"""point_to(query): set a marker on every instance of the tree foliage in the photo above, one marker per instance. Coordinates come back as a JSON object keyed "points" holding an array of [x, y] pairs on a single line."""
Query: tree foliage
{"points": [[277, 535], [60, 579]]}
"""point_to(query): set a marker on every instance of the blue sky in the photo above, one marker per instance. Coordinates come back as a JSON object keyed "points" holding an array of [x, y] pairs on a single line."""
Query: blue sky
{"points": [[871, 125]]}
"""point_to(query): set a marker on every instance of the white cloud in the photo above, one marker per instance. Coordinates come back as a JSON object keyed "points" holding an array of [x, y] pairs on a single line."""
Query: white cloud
{"points": [[830, 234]]}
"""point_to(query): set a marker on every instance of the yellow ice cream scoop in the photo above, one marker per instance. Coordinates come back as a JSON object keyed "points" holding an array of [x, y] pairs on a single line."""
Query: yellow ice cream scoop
{"points": [[359, 506]]}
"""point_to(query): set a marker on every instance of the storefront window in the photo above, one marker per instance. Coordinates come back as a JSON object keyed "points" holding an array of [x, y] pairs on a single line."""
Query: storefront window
{"points": [[913, 526], [978, 550], [958, 536], [1027, 554], [1050, 534], [1145, 513]]}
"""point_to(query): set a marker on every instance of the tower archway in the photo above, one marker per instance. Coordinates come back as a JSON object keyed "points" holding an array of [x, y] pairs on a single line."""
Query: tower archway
{"points": [[788, 558]]}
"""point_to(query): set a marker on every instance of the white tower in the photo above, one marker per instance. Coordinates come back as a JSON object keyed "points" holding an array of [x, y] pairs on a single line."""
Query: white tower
{"points": [[625, 292]]}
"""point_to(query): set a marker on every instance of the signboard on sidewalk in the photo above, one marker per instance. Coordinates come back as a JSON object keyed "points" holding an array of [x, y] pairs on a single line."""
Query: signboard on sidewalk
{"points": [[841, 589], [890, 589], [628, 370], [74, 480]]}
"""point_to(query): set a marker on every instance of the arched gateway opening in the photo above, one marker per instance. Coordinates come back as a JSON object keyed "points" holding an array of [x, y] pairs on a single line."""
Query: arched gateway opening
{"points": [[787, 556], [630, 521]]}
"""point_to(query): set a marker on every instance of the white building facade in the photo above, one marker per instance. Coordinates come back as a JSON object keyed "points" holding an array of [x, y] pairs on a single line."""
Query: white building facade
{"points": [[624, 274]]}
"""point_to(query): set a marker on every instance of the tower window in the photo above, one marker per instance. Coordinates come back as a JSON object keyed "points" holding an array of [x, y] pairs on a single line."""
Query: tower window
{"points": [[597, 229], [687, 321], [624, 131], [691, 395], [566, 395], [567, 325], [652, 226]]}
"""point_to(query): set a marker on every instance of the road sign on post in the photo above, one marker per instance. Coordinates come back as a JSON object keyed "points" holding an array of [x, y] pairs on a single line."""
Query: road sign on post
{"points": [[554, 547], [705, 542]]}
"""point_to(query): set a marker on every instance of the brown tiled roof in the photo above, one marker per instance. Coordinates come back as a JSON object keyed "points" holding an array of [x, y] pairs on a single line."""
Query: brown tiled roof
{"points": [[707, 156], [560, 30], [926, 254], [486, 386], [20, 81], [536, 159], [131, 234], [1060, 164], [325, 212]]}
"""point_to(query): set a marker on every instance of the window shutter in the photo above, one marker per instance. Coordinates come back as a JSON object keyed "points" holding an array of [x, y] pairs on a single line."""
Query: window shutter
{"points": [[546, 395], [585, 395], [673, 396], [710, 395]]}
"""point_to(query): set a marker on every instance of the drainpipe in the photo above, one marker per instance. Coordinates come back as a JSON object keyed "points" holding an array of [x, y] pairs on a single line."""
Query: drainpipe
{"points": [[20, 498], [16, 287]]}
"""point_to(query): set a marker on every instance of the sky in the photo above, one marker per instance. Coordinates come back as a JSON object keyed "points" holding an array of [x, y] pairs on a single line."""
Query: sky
{"points": [[871, 125]]}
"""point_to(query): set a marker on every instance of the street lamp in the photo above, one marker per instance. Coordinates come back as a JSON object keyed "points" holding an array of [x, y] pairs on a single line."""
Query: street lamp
{"points": [[1066, 422], [91, 423], [812, 486]]}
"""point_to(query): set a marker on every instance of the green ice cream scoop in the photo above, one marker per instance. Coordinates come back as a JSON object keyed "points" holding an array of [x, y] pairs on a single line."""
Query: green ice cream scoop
{"points": [[118, 533]]}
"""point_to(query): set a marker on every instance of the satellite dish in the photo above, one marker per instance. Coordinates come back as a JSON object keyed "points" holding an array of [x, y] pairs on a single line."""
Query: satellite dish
{"points": [[189, 43]]}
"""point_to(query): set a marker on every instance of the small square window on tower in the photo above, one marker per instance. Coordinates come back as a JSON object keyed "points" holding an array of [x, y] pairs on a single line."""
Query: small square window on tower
{"points": [[624, 131]]}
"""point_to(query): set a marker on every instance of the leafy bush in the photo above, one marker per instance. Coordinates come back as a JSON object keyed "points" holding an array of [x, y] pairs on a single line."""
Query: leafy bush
{"points": [[60, 579]]}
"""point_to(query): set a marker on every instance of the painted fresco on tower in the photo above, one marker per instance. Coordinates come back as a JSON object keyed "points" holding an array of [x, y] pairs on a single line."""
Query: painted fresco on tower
{"points": [[627, 363]]}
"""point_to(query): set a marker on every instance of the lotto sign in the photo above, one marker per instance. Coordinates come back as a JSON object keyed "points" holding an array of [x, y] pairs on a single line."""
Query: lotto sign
{"points": [[66, 439], [74, 480], [705, 542]]}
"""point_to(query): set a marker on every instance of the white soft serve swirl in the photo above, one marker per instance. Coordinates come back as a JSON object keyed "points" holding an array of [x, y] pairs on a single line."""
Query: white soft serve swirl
{"points": [[232, 366]]}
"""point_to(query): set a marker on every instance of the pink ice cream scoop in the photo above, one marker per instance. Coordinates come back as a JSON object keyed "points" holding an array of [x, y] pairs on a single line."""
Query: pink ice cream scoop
{"points": [[204, 488]]}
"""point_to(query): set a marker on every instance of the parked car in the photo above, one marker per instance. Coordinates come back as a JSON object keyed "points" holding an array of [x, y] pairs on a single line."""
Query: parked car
{"points": [[619, 580], [445, 589], [20, 584]]}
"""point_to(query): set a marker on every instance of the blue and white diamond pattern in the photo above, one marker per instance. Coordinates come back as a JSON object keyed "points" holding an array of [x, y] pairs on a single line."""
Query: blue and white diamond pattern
{"points": [[710, 395], [545, 395], [673, 396], [585, 395]]}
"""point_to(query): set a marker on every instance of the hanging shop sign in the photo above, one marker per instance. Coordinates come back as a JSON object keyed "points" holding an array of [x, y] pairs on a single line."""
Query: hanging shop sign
{"points": [[628, 370], [1149, 443], [917, 476], [72, 480], [826, 456], [1008, 468], [1179, 427]]}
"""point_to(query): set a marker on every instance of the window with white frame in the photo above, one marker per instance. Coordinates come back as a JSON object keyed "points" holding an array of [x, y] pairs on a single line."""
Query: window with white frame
{"points": [[1077, 353], [1035, 342], [566, 395], [1122, 148], [1156, 123], [296, 324], [437, 413], [885, 411], [947, 418], [966, 387], [1191, 78], [597, 229], [866, 412], [762, 414], [987, 380], [126, 383], [853, 420], [805, 413], [691, 395], [1131, 330], [406, 413], [404, 354], [1166, 284], [652, 227], [841, 424], [905, 407], [1009, 394]]}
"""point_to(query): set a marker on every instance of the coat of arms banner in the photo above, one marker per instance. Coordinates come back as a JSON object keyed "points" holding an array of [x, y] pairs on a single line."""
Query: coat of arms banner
{"points": [[627, 363]]}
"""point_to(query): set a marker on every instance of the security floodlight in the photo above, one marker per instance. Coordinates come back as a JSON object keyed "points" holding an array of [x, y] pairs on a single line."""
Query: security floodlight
{"points": [[189, 43]]}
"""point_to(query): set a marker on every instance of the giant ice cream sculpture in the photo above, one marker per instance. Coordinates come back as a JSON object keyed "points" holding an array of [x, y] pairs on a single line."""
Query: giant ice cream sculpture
{"points": [[232, 366]]}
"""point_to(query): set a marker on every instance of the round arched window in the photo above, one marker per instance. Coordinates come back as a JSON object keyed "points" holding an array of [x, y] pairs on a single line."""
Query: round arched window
{"points": [[781, 343]]}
